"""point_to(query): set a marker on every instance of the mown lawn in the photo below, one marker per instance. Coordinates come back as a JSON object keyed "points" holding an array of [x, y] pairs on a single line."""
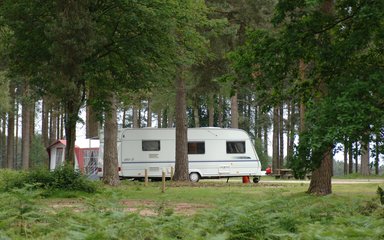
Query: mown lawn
{"points": [[206, 210]]}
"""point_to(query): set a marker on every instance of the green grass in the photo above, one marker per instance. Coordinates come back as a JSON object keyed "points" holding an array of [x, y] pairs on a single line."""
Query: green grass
{"points": [[217, 210]]}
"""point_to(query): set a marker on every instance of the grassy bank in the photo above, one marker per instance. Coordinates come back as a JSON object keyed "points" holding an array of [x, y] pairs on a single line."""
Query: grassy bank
{"points": [[209, 210]]}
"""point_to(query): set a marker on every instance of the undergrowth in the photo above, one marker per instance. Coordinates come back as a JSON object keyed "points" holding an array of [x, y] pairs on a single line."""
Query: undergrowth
{"points": [[232, 212], [63, 178]]}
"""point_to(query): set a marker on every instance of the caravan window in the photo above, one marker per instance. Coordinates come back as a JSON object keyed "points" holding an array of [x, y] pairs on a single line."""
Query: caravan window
{"points": [[236, 147], [151, 145], [196, 147]]}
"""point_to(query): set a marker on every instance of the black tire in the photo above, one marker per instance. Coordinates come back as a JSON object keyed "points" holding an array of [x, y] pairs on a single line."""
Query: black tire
{"points": [[256, 179], [194, 177]]}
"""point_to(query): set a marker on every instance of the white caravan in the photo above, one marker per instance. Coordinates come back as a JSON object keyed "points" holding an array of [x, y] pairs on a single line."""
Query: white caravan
{"points": [[212, 153]]}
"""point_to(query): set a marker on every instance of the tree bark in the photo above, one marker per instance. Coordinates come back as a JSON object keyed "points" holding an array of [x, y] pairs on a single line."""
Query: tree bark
{"points": [[220, 112], [11, 130], [321, 177], [149, 114], [136, 118], [25, 132], [182, 165], [265, 135], [52, 125], [3, 142], [350, 158], [234, 112], [377, 160], [211, 111], [345, 158], [16, 154], [159, 119], [364, 159], [72, 107], [281, 135], [196, 116], [111, 165], [275, 141], [92, 124]]}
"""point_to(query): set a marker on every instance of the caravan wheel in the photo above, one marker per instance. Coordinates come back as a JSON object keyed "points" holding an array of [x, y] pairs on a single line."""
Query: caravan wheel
{"points": [[256, 179], [194, 177]]}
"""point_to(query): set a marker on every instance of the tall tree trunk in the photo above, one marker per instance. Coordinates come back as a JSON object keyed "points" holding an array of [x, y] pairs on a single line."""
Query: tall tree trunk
{"points": [[281, 135], [16, 164], [11, 130], [275, 141], [211, 110], [196, 116], [234, 111], [377, 160], [259, 127], [92, 124], [321, 177], [220, 112], [136, 118], [265, 136], [170, 118], [25, 132], [62, 125], [53, 125], [72, 109], [356, 158], [364, 159], [111, 165], [345, 158], [350, 158], [181, 166], [149, 114], [291, 133], [3, 142], [159, 119]]}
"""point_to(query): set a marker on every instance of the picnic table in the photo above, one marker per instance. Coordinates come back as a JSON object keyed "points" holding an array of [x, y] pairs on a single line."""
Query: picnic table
{"points": [[284, 173]]}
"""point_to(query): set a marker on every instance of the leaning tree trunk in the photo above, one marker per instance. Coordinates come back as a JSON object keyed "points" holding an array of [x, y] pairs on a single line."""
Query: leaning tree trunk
{"points": [[111, 165], [181, 166]]}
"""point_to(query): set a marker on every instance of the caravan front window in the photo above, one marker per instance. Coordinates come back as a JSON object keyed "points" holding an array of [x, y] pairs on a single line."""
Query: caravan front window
{"points": [[236, 147], [196, 147], [150, 145]]}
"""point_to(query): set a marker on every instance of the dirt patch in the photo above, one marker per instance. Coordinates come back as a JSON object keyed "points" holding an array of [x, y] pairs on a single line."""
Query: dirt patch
{"points": [[142, 207], [151, 208], [74, 205]]}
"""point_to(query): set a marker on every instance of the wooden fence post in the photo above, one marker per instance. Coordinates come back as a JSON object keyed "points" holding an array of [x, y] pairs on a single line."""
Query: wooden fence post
{"points": [[145, 177], [163, 181]]}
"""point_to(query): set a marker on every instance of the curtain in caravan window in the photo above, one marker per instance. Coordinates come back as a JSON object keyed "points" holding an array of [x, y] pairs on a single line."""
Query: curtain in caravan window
{"points": [[196, 147], [236, 147], [150, 145], [59, 156]]}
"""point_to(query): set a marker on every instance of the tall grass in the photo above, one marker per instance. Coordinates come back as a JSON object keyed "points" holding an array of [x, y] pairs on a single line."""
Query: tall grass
{"points": [[228, 211]]}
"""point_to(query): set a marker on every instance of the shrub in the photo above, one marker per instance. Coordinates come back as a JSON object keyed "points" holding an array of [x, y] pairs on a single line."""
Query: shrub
{"points": [[10, 179], [63, 178], [66, 178]]}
